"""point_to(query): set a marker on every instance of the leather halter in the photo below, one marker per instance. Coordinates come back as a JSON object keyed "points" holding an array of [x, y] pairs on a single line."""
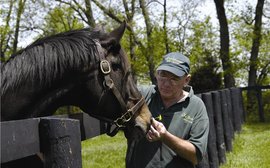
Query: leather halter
{"points": [[109, 86]]}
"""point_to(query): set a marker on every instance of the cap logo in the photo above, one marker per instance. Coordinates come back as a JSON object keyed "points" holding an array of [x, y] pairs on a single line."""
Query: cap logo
{"points": [[173, 60]]}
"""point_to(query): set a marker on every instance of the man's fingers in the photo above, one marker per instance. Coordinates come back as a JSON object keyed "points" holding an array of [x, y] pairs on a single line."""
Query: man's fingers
{"points": [[155, 122], [153, 130]]}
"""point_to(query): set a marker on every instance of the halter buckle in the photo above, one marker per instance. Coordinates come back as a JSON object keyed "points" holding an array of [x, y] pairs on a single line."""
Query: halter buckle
{"points": [[120, 122], [105, 67]]}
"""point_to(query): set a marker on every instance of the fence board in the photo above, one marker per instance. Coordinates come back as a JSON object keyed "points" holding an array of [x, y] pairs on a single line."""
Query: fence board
{"points": [[19, 138], [89, 126]]}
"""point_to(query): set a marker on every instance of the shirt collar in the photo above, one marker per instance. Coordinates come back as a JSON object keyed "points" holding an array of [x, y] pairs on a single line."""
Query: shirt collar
{"points": [[188, 91]]}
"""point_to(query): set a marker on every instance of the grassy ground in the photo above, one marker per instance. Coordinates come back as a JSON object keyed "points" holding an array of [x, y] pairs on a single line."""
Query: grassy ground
{"points": [[104, 152], [251, 149]]}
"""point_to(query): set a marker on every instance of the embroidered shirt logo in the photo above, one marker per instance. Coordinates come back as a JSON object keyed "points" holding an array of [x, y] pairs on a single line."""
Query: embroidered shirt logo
{"points": [[187, 118]]}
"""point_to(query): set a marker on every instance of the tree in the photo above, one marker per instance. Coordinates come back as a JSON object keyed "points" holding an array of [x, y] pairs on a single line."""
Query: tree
{"points": [[9, 36], [84, 12], [205, 67], [252, 75], [241, 26], [149, 29], [21, 19], [21, 5], [5, 31], [132, 40], [206, 78], [229, 80], [146, 46], [60, 19]]}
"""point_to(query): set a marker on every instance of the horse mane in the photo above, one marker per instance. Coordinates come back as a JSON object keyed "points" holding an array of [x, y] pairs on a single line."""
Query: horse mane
{"points": [[48, 58]]}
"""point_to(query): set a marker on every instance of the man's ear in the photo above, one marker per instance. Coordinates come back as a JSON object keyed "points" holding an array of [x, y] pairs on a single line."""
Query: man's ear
{"points": [[188, 78]]}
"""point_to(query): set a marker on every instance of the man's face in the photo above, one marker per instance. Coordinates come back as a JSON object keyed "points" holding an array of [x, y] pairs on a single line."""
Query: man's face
{"points": [[170, 85]]}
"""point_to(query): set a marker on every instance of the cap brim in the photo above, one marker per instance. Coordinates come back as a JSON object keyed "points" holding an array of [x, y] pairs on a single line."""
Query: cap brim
{"points": [[173, 70]]}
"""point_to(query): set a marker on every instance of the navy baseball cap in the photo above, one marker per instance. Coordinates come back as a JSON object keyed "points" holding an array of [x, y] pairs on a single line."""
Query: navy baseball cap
{"points": [[176, 63]]}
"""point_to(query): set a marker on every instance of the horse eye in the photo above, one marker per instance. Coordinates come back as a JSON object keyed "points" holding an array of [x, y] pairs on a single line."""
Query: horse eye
{"points": [[116, 67]]}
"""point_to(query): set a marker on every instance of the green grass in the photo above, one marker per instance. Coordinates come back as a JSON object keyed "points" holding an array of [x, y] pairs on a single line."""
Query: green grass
{"points": [[251, 148], [104, 152]]}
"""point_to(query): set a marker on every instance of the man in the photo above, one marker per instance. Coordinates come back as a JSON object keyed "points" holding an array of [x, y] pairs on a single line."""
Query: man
{"points": [[179, 138]]}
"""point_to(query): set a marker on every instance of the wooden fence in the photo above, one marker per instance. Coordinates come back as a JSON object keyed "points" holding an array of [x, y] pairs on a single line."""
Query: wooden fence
{"points": [[58, 138], [226, 116]]}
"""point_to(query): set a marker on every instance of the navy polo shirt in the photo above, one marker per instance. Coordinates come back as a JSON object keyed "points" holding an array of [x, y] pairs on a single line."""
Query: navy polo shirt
{"points": [[187, 119]]}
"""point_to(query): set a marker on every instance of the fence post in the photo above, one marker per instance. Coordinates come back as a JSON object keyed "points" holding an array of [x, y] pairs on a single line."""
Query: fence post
{"points": [[260, 104], [60, 142], [230, 112], [242, 104], [212, 146], [227, 123], [204, 163], [237, 113], [219, 127]]}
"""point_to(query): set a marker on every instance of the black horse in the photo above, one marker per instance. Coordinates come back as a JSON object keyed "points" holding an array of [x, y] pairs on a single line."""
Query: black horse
{"points": [[85, 68]]}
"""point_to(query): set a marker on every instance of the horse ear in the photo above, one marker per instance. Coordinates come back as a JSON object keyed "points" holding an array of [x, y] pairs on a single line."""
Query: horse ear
{"points": [[117, 34], [112, 42]]}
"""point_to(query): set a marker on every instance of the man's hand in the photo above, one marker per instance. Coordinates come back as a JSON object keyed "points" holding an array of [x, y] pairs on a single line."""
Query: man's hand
{"points": [[182, 147], [156, 132]]}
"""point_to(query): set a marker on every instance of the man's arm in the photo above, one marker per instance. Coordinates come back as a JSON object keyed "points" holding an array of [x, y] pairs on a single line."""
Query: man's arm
{"points": [[182, 147]]}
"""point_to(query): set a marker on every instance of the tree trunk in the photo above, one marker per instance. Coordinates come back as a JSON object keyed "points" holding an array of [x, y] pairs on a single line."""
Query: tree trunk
{"points": [[89, 14], [252, 74], [224, 45], [255, 44], [21, 5], [165, 27], [6, 35], [129, 15], [149, 52]]}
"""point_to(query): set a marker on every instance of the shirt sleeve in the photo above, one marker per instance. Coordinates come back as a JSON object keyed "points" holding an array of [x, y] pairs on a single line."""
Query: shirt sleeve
{"points": [[147, 92], [199, 130]]}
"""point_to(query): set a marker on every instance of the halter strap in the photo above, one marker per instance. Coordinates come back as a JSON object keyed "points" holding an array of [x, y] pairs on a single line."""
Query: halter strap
{"points": [[121, 121]]}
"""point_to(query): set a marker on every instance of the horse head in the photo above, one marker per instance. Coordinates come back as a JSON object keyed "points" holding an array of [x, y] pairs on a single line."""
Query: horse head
{"points": [[119, 101]]}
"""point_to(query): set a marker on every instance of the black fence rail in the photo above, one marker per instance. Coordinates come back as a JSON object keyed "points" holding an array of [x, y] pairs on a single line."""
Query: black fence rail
{"points": [[258, 90], [58, 138]]}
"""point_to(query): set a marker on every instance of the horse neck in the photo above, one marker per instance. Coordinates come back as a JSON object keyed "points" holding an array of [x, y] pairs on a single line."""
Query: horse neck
{"points": [[31, 100]]}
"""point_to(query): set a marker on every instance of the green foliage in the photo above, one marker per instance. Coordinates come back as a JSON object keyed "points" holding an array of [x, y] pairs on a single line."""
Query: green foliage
{"points": [[139, 63], [204, 57], [67, 110], [250, 147], [202, 43], [61, 19], [205, 78], [241, 30]]}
